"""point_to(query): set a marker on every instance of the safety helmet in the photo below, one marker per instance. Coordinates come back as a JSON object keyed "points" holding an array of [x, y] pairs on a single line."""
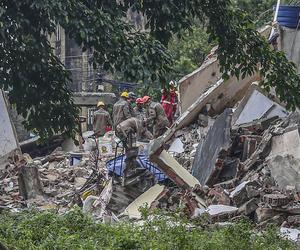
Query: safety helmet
{"points": [[173, 83], [100, 104], [139, 101], [132, 95], [124, 94], [146, 98]]}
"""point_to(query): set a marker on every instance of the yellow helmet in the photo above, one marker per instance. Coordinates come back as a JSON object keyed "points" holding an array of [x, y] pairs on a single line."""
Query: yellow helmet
{"points": [[100, 104], [124, 94]]}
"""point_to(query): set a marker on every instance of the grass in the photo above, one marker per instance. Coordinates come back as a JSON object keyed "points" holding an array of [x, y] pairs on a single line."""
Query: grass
{"points": [[48, 230]]}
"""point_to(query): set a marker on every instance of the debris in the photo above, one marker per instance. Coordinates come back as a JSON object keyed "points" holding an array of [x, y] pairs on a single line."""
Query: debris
{"points": [[287, 143], [196, 83], [176, 146], [276, 200], [249, 207], [174, 170], [117, 166], [290, 233], [146, 199], [256, 106], [285, 170], [30, 185], [207, 165]]}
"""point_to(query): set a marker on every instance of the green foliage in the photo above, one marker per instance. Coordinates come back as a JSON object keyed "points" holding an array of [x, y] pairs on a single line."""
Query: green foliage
{"points": [[189, 51], [261, 11], [35, 78], [38, 83], [191, 46], [73, 230], [241, 52]]}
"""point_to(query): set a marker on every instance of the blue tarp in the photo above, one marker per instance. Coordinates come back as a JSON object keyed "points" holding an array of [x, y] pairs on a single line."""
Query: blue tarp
{"points": [[142, 159]]}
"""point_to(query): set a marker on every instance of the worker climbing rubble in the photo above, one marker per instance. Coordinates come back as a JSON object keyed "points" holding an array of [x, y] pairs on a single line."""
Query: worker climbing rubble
{"points": [[169, 101], [121, 109], [155, 114], [101, 120], [139, 109], [132, 128]]}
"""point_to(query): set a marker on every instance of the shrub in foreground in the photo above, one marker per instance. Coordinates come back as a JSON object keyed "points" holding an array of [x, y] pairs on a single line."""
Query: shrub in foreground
{"points": [[48, 230]]}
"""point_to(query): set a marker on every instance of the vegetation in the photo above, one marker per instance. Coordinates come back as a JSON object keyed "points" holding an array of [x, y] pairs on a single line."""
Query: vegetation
{"points": [[47, 230], [190, 48], [189, 51], [38, 83]]}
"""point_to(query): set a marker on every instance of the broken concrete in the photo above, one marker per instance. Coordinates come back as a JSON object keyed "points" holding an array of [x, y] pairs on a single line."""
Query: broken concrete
{"points": [[144, 200], [254, 106], [285, 170], [174, 170], [30, 185], [218, 139], [195, 84], [288, 143]]}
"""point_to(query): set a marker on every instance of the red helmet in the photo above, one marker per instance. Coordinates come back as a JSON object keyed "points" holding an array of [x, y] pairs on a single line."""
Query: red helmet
{"points": [[146, 98], [139, 101]]}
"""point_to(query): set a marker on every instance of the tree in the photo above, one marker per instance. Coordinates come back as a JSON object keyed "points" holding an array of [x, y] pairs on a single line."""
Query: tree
{"points": [[261, 11], [37, 81], [190, 48], [189, 51]]}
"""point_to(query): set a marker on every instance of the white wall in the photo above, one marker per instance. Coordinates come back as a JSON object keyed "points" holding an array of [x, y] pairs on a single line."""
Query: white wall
{"points": [[290, 44], [8, 141]]}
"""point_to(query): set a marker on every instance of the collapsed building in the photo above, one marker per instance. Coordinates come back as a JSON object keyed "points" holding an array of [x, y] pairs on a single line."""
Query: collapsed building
{"points": [[233, 152]]}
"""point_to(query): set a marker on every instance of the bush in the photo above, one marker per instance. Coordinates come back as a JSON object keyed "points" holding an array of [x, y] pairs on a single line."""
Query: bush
{"points": [[73, 230]]}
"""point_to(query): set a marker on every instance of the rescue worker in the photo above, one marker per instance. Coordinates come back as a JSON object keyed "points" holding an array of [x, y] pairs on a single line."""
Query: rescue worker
{"points": [[156, 114], [101, 120], [132, 105], [139, 109], [169, 101], [121, 109], [130, 127]]}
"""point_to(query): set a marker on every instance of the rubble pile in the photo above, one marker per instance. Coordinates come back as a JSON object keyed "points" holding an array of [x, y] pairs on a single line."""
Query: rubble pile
{"points": [[246, 168], [244, 162], [59, 184], [188, 139]]}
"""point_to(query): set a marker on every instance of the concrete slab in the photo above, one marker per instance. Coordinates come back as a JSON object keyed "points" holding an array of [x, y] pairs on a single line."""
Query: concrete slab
{"points": [[286, 144], [220, 209], [254, 106], [290, 44], [196, 83], [145, 199], [8, 139], [218, 138], [171, 168], [285, 170]]}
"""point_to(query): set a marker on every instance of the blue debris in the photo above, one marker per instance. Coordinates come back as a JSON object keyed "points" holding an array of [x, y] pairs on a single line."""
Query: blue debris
{"points": [[117, 166]]}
